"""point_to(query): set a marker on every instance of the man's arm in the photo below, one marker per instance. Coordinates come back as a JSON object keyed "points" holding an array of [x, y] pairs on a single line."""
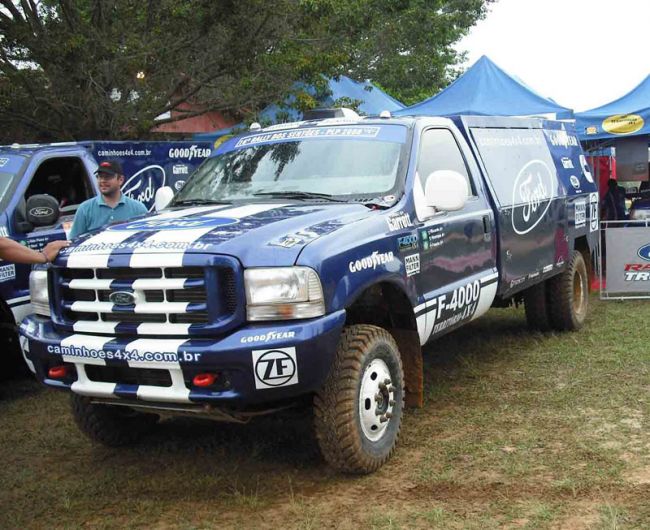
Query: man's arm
{"points": [[12, 251]]}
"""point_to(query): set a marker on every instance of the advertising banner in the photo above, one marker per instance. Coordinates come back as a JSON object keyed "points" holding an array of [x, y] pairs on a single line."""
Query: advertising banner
{"points": [[151, 165], [628, 260]]}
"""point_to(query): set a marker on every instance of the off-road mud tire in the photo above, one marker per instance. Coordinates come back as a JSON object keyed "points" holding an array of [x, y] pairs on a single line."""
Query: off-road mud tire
{"points": [[568, 295], [113, 426], [536, 307], [337, 415]]}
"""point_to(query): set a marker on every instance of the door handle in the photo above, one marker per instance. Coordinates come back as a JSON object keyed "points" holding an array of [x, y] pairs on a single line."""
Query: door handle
{"points": [[487, 228]]}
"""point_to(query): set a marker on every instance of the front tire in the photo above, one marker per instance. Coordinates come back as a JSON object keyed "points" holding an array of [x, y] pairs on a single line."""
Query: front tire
{"points": [[110, 425], [358, 411], [568, 296]]}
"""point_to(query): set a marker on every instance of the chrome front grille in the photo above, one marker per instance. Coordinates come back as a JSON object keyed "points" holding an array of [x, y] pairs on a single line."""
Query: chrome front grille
{"points": [[167, 300]]}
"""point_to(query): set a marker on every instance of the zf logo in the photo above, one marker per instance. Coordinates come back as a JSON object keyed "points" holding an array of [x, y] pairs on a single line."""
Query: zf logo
{"points": [[274, 368]]}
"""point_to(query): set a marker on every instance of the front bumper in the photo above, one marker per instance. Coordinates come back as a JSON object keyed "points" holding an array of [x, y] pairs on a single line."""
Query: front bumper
{"points": [[258, 364]]}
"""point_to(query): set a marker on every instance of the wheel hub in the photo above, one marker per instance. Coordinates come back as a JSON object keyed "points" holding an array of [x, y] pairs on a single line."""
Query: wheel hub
{"points": [[376, 399]]}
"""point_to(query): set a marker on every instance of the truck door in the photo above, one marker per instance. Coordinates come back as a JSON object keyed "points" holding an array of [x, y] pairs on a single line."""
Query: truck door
{"points": [[67, 179], [458, 257]]}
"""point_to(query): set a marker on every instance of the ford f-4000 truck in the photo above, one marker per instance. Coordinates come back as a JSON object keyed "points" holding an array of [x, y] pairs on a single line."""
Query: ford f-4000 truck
{"points": [[312, 261]]}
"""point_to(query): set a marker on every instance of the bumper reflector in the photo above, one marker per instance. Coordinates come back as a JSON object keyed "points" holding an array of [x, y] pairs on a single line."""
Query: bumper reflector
{"points": [[204, 380]]}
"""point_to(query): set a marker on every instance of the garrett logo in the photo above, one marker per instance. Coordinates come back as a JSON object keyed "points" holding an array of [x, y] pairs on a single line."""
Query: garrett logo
{"points": [[531, 196], [644, 252], [142, 185], [575, 182], [191, 223], [41, 211], [122, 298], [623, 124]]}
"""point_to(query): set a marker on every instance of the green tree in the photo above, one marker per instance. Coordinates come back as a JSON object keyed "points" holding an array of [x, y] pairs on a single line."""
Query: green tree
{"points": [[75, 69]]}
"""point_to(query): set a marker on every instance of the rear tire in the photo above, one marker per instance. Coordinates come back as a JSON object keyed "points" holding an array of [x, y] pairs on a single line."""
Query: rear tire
{"points": [[536, 307], [568, 296], [110, 425], [358, 411]]}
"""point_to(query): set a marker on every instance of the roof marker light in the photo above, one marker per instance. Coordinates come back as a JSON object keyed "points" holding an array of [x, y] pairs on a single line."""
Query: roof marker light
{"points": [[385, 114], [255, 126]]}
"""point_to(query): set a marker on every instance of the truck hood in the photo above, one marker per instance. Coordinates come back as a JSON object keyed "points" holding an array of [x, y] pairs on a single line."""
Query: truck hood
{"points": [[269, 234]]}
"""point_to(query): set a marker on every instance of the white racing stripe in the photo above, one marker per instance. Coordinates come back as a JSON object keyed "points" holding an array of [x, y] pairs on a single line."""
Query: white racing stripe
{"points": [[88, 326], [162, 257], [93, 258], [83, 385]]}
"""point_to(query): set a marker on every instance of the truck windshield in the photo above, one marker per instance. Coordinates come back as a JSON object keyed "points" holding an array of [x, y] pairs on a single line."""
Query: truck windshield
{"points": [[305, 169]]}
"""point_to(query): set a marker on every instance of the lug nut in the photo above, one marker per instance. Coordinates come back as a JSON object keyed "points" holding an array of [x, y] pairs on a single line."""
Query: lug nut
{"points": [[392, 402], [389, 415], [382, 386], [383, 419], [387, 381], [391, 388]]}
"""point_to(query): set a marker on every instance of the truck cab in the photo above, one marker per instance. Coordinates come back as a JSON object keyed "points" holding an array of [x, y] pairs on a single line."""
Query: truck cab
{"points": [[62, 171]]}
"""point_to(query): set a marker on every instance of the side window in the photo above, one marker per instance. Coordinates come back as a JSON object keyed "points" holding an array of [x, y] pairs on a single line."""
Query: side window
{"points": [[439, 150], [65, 179]]}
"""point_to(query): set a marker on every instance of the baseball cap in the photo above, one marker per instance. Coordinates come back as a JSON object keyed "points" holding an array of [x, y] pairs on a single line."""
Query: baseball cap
{"points": [[109, 167]]}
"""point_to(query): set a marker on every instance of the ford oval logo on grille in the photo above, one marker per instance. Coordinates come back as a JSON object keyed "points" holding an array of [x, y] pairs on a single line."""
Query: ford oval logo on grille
{"points": [[122, 298]]}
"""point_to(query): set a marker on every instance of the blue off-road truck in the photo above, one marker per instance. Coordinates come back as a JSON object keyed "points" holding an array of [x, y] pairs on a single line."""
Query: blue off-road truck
{"points": [[65, 172], [312, 261]]}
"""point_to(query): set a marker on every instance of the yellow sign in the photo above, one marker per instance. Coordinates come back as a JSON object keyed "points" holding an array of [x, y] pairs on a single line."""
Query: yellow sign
{"points": [[221, 140], [623, 124]]}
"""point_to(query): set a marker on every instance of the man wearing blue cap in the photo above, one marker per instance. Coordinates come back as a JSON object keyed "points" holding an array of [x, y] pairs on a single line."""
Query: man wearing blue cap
{"points": [[110, 206]]}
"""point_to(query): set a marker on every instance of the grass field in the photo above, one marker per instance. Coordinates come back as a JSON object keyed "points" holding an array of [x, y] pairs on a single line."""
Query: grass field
{"points": [[518, 430]]}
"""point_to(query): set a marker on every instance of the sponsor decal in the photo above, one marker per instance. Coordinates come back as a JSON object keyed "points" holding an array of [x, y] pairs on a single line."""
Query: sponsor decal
{"points": [[412, 264], [593, 212], [3, 231], [275, 368], [623, 124], [456, 306], [122, 298], [301, 237], [586, 170], [560, 262], [533, 275], [142, 185], [41, 211], [531, 195], [4, 162], [406, 243], [7, 272], [178, 185], [575, 182], [432, 237], [399, 221], [562, 139], [268, 336], [371, 262], [301, 134], [180, 169], [567, 163], [189, 223], [592, 129], [83, 352], [581, 213], [193, 151], [644, 252], [637, 272], [548, 268]]}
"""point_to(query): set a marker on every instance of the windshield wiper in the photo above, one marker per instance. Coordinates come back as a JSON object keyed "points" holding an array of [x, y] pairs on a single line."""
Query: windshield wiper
{"points": [[298, 195], [194, 202]]}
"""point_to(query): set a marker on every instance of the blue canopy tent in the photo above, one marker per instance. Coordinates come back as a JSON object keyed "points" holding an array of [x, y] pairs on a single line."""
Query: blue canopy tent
{"points": [[373, 101], [485, 89], [629, 115]]}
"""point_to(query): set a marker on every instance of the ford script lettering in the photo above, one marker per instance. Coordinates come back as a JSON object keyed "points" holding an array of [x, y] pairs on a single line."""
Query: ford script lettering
{"points": [[531, 196], [142, 185], [42, 211]]}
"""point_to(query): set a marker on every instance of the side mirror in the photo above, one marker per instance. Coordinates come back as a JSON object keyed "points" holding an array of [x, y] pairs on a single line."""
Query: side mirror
{"points": [[446, 190], [42, 210], [163, 197]]}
